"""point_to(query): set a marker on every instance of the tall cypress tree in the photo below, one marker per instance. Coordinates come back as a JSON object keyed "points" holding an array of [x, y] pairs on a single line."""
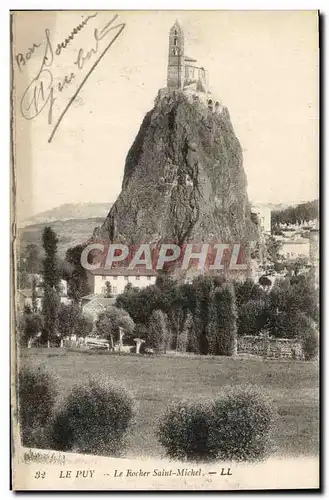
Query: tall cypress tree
{"points": [[222, 325], [76, 276], [51, 283], [203, 287], [158, 335]]}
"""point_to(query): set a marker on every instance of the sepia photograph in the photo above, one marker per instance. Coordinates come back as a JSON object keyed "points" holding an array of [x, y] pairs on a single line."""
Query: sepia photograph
{"points": [[165, 316]]}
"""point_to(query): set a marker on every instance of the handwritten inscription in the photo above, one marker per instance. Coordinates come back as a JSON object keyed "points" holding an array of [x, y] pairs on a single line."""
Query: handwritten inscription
{"points": [[84, 56], [73, 33], [23, 57], [41, 92]]}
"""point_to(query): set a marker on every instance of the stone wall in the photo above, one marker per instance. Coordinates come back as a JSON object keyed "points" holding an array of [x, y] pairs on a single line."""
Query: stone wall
{"points": [[270, 347]]}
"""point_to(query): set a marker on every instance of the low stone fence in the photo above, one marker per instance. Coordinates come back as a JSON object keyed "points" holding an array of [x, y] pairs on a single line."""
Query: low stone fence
{"points": [[270, 347]]}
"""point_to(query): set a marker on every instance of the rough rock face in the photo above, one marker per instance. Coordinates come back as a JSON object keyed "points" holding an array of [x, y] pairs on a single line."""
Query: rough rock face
{"points": [[184, 180]]}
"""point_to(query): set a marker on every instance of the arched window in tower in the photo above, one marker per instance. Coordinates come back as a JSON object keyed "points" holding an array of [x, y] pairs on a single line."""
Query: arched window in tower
{"points": [[175, 41], [175, 51], [175, 32]]}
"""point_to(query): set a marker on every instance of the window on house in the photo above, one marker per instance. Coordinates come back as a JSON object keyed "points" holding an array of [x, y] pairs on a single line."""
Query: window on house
{"points": [[126, 278], [114, 290], [137, 277], [149, 278], [103, 290], [115, 277], [103, 278]]}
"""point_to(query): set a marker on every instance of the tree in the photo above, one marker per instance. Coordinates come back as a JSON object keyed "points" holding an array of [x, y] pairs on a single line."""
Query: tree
{"points": [[296, 293], [303, 212], [51, 281], [110, 320], [273, 247], [265, 282], [33, 259], [75, 274], [29, 262], [310, 344], [67, 316], [30, 325], [158, 335], [252, 317], [140, 303], [34, 295], [246, 291], [203, 287], [108, 292], [141, 331], [291, 303], [71, 321], [84, 326], [222, 326], [128, 287], [51, 303], [187, 340], [181, 301]]}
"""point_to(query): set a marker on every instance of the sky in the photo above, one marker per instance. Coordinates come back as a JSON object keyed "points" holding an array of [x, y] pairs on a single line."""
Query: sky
{"points": [[262, 65]]}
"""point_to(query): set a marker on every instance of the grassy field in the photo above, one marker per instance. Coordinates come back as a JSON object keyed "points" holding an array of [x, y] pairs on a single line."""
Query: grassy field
{"points": [[156, 381]]}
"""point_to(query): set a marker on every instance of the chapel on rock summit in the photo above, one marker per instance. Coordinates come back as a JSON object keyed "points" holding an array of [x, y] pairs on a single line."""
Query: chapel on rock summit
{"points": [[184, 73]]}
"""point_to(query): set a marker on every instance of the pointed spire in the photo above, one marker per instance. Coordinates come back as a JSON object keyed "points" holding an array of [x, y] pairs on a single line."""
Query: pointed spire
{"points": [[177, 26]]}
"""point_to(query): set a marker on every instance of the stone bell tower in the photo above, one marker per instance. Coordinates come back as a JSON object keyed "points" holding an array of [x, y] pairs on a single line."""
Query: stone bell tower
{"points": [[176, 60]]}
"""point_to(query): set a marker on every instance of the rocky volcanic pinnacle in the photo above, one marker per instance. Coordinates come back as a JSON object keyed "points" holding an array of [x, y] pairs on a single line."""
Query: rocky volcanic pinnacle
{"points": [[183, 181]]}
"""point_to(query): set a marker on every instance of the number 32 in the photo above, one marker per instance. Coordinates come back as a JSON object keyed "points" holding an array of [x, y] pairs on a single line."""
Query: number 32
{"points": [[40, 474]]}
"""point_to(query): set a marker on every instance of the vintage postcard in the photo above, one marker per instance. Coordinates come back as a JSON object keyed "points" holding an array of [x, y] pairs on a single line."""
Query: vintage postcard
{"points": [[165, 242]]}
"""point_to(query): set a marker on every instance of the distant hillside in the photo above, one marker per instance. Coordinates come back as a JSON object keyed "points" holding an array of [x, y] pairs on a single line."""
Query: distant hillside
{"points": [[303, 212], [70, 211], [69, 232], [273, 206]]}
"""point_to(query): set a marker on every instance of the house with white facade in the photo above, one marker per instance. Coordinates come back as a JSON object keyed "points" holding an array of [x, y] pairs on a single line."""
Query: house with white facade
{"points": [[24, 296], [24, 299], [119, 277]]}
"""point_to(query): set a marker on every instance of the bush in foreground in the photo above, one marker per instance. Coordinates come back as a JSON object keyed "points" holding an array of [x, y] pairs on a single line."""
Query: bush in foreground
{"points": [[242, 425], [94, 419], [37, 394], [236, 426], [183, 430]]}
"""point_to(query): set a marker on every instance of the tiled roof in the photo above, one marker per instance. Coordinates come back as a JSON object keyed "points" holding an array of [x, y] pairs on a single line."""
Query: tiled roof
{"points": [[91, 296], [102, 301], [106, 302]]}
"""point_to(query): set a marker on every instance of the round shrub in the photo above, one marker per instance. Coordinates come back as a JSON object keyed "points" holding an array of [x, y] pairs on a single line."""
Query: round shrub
{"points": [[183, 430], [242, 425], [93, 419], [37, 394]]}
